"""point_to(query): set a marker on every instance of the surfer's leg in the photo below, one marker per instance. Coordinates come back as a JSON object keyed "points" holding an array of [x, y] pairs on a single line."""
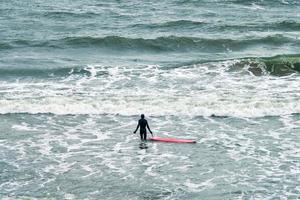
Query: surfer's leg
{"points": [[145, 136], [141, 134]]}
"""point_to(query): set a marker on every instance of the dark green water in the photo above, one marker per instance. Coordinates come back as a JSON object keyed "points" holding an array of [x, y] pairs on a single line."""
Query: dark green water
{"points": [[76, 75]]}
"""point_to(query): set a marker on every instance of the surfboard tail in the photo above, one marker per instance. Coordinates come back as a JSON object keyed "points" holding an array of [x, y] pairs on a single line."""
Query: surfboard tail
{"points": [[172, 140]]}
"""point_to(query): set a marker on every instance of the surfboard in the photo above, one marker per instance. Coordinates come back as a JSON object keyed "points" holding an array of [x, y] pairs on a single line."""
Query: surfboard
{"points": [[173, 140]]}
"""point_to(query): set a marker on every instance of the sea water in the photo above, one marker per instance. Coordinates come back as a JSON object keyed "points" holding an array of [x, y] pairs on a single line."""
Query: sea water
{"points": [[76, 75]]}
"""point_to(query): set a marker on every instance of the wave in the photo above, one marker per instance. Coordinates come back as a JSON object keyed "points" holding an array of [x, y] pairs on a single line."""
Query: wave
{"points": [[64, 14], [155, 107], [280, 65], [207, 89], [285, 25], [160, 44], [182, 24], [262, 3], [5, 46], [43, 73]]}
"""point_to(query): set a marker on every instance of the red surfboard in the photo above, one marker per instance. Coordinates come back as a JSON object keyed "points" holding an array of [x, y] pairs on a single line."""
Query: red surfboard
{"points": [[174, 140]]}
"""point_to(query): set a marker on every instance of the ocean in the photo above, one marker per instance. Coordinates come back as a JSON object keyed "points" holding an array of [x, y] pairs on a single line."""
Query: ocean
{"points": [[75, 76]]}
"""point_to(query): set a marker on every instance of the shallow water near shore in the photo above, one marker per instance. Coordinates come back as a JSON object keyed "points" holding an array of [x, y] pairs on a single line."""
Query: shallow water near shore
{"points": [[97, 156], [76, 75]]}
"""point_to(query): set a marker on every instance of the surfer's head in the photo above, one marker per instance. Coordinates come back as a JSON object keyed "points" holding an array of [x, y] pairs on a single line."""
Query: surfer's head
{"points": [[142, 116]]}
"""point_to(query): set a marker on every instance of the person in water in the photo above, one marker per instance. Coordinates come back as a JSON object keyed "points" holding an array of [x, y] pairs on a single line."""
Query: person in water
{"points": [[142, 125]]}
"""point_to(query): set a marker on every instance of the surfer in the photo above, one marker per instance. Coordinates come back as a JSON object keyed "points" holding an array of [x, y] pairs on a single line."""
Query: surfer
{"points": [[142, 124]]}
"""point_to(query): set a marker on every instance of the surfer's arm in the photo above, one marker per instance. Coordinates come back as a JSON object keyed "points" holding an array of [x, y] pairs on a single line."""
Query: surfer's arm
{"points": [[137, 128], [149, 128]]}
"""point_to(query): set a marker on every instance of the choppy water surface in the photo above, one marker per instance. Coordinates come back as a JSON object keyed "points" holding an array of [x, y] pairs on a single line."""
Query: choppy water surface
{"points": [[76, 75]]}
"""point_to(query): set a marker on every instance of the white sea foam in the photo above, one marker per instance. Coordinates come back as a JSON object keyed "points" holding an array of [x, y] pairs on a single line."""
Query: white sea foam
{"points": [[256, 7], [200, 90], [23, 127], [197, 187], [69, 196]]}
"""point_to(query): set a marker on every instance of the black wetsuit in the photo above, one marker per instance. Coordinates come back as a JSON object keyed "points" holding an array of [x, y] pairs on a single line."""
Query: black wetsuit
{"points": [[143, 132]]}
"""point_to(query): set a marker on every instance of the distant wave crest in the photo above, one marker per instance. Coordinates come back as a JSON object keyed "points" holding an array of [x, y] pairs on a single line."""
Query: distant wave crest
{"points": [[159, 44], [43, 73], [172, 24]]}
